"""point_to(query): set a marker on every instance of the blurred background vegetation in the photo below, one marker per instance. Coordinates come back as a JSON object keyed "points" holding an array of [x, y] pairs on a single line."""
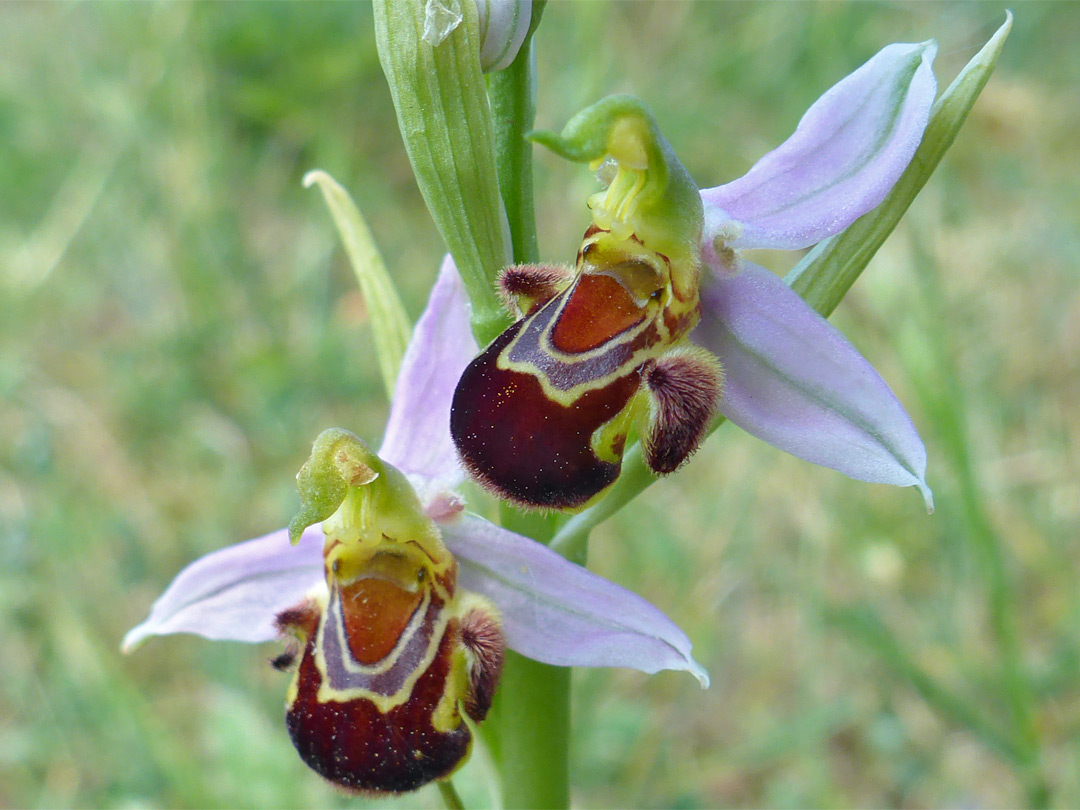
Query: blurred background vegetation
{"points": [[178, 322]]}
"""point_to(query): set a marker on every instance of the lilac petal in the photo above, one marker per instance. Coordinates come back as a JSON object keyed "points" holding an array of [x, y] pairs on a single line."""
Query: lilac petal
{"points": [[560, 613], [793, 380], [235, 593], [849, 149], [417, 439]]}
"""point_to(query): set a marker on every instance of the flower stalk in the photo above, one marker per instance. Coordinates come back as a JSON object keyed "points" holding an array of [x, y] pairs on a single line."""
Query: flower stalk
{"points": [[513, 109], [528, 729]]}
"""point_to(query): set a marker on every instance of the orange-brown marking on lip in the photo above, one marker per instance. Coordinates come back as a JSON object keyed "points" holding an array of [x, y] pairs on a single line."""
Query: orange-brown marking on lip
{"points": [[599, 308], [376, 612]]}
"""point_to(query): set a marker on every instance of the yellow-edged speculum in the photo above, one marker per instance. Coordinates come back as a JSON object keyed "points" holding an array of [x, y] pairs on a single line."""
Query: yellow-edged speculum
{"points": [[543, 414], [392, 654]]}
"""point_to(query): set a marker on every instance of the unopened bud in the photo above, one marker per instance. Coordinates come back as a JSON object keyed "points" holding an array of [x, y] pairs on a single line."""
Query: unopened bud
{"points": [[503, 25]]}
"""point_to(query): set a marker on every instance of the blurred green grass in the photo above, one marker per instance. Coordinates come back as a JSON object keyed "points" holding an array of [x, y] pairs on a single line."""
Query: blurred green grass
{"points": [[177, 322]]}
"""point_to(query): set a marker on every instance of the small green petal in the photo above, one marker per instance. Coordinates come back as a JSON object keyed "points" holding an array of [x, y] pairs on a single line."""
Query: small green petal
{"points": [[389, 324]]}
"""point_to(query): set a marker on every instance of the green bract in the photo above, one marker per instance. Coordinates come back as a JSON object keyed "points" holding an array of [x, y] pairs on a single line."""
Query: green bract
{"points": [[442, 109], [389, 324]]}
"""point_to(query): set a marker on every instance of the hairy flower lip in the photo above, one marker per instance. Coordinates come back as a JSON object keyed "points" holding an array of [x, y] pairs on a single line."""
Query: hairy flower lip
{"points": [[555, 611]]}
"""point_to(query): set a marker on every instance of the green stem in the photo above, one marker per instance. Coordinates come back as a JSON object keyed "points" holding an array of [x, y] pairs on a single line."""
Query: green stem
{"points": [[511, 105], [531, 716], [533, 726], [528, 729], [513, 111], [450, 796], [529, 726]]}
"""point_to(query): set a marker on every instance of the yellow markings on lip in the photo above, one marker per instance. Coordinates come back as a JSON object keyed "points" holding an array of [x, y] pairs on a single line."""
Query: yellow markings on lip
{"points": [[384, 703], [568, 396], [356, 553], [609, 439], [405, 565], [447, 714], [644, 276]]}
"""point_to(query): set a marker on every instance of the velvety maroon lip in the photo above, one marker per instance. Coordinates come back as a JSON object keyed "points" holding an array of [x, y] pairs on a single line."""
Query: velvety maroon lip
{"points": [[525, 446]]}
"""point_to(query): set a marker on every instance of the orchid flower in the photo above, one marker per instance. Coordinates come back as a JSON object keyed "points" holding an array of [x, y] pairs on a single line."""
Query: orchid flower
{"points": [[662, 322], [400, 604]]}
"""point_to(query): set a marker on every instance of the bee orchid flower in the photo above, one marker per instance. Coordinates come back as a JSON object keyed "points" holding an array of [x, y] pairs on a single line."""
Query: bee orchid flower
{"points": [[662, 323], [396, 603]]}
